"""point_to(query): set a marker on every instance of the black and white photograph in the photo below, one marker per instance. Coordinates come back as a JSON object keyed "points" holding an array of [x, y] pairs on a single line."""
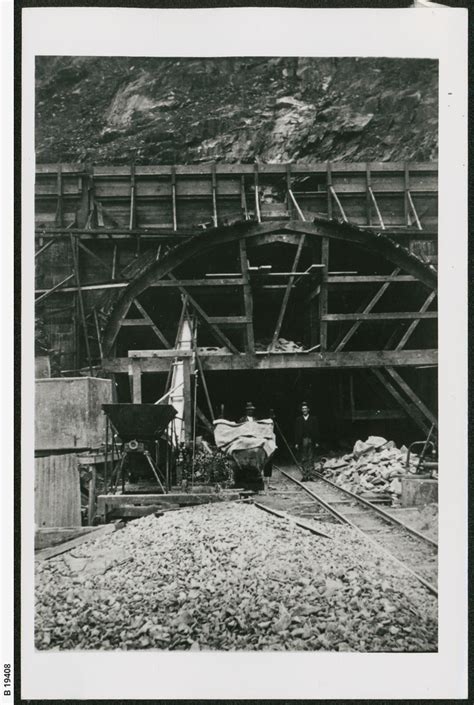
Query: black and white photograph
{"points": [[238, 428], [236, 350]]}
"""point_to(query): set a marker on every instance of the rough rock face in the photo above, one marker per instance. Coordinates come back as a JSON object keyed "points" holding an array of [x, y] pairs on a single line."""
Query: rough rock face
{"points": [[157, 110]]}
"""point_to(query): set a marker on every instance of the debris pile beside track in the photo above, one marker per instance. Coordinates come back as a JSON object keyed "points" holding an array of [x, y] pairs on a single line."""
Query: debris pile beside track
{"points": [[230, 577], [374, 468]]}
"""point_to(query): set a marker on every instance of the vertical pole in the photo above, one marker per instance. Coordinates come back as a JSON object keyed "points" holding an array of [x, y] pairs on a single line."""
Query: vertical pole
{"points": [[243, 198], [368, 200], [289, 202], [92, 492], [248, 300], [136, 381], [132, 221], [323, 296], [328, 187], [97, 329], [187, 411], [59, 208], [313, 309], [114, 262], [257, 196], [214, 195], [406, 204], [81, 301], [173, 197], [106, 459]]}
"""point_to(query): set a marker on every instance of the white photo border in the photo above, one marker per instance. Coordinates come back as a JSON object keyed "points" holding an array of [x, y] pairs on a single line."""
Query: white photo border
{"points": [[413, 33]]}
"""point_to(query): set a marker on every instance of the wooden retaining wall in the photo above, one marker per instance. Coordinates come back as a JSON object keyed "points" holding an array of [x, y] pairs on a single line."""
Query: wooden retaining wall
{"points": [[57, 491]]}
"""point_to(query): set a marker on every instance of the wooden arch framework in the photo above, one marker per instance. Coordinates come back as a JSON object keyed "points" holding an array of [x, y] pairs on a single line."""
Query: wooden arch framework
{"points": [[313, 250]]}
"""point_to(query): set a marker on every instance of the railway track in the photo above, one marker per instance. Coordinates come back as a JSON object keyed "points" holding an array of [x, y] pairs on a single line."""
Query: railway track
{"points": [[322, 500]]}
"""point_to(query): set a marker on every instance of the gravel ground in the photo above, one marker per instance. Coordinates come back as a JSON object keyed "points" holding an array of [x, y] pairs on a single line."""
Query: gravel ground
{"points": [[230, 577]]}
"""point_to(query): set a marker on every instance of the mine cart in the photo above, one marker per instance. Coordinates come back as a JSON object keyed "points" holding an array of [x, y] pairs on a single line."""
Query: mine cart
{"points": [[250, 445]]}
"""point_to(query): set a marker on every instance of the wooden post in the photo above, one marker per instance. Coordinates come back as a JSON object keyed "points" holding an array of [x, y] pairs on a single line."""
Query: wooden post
{"points": [[187, 411], [214, 195], [406, 205], [328, 188], [80, 299], [136, 381], [243, 198], [59, 208], [368, 186], [248, 299], [173, 197], [257, 195], [92, 493], [323, 295]]}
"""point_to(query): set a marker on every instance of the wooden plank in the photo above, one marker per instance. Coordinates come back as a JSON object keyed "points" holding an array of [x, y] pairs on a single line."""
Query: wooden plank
{"points": [[136, 375], [417, 418], [91, 535], [269, 361], [385, 316], [413, 396], [286, 295], [372, 278], [172, 353], [230, 320], [187, 411], [57, 491], [248, 298], [152, 325], [323, 295], [73, 243], [373, 301]]}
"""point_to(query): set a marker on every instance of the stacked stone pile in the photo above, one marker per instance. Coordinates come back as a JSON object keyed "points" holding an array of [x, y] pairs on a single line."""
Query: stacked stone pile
{"points": [[374, 468]]}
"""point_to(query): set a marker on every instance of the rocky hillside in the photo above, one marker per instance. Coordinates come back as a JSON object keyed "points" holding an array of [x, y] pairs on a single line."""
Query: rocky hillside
{"points": [[174, 110]]}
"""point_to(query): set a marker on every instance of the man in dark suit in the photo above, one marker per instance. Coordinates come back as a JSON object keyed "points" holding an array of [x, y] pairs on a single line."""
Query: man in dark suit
{"points": [[306, 437]]}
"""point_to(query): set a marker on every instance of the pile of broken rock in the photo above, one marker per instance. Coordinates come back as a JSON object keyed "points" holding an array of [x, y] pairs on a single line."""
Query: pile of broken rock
{"points": [[373, 469]]}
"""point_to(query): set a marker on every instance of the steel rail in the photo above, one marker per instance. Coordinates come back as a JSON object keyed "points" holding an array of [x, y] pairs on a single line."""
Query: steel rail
{"points": [[385, 515], [298, 522], [431, 588]]}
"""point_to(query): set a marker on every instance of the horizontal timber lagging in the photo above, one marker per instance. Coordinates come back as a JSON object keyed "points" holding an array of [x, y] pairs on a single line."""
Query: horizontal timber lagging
{"points": [[160, 360], [162, 195]]}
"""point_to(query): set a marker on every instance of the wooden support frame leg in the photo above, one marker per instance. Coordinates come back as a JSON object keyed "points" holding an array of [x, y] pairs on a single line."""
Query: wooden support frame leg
{"points": [[323, 295], [248, 299], [135, 372], [73, 243]]}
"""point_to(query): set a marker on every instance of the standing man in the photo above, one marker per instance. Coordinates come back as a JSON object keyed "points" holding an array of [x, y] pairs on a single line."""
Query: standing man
{"points": [[306, 438], [249, 413]]}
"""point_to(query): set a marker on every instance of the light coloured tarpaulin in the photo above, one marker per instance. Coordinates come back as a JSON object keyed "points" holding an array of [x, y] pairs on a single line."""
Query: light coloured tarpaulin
{"points": [[230, 436], [176, 397]]}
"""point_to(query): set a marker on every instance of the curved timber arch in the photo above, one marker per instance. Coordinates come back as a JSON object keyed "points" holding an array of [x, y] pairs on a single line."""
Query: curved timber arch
{"points": [[291, 231]]}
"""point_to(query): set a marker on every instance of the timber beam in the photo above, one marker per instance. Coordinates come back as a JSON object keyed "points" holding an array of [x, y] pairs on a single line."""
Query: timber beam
{"points": [[161, 361]]}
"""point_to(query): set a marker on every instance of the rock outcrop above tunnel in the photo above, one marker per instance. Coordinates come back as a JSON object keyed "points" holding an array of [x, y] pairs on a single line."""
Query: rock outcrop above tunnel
{"points": [[163, 111]]}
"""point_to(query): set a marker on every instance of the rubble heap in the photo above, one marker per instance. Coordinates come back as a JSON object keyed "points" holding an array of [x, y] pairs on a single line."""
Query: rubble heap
{"points": [[374, 468], [230, 578]]}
